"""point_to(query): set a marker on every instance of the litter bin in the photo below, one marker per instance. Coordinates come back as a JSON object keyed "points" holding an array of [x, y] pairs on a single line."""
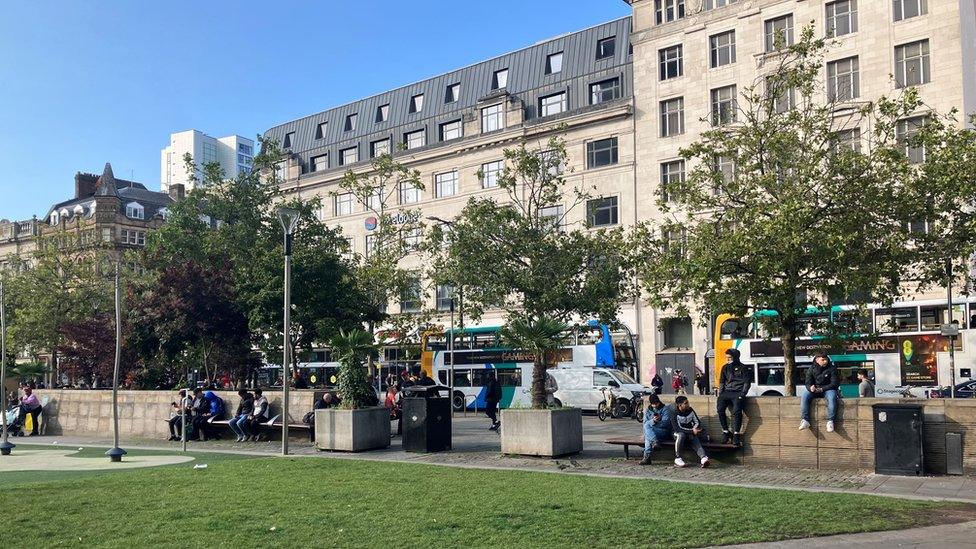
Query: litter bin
{"points": [[426, 419], [898, 439]]}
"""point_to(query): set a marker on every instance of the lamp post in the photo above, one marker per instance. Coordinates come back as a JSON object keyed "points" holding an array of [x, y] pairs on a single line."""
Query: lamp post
{"points": [[115, 453], [289, 219], [6, 445], [952, 332]]}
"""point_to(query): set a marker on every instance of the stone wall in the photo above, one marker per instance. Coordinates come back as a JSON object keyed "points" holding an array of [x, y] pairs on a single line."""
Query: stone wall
{"points": [[772, 436], [141, 413]]}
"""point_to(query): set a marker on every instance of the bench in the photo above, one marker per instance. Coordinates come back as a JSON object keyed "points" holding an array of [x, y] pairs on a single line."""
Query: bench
{"points": [[627, 442], [272, 422]]}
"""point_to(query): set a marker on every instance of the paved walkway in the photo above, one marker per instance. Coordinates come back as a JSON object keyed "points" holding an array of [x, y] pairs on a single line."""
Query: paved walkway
{"points": [[934, 537], [476, 447]]}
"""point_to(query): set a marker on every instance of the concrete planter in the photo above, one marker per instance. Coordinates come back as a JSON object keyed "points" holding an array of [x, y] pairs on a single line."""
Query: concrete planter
{"points": [[546, 433], [352, 430]]}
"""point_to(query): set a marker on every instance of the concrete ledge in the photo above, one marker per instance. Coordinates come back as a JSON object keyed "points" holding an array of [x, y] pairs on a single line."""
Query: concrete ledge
{"points": [[545, 433], [352, 430]]}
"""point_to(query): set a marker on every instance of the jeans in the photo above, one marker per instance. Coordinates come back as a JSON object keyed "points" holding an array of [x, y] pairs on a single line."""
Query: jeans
{"points": [[734, 400], [681, 438], [176, 426], [491, 410], [653, 434], [239, 425], [830, 395]]}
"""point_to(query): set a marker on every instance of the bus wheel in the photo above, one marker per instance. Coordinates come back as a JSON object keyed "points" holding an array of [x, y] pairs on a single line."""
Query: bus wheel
{"points": [[458, 402], [771, 394]]}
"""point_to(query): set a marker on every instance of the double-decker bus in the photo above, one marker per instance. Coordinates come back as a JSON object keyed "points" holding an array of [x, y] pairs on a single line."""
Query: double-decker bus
{"points": [[901, 346], [479, 350]]}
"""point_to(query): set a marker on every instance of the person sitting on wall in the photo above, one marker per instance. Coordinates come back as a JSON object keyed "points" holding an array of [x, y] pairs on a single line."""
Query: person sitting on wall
{"points": [[734, 384], [657, 426], [258, 416], [239, 423], [822, 382], [687, 427]]}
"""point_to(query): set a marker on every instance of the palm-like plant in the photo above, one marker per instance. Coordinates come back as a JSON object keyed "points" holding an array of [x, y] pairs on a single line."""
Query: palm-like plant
{"points": [[29, 371], [541, 336], [352, 348]]}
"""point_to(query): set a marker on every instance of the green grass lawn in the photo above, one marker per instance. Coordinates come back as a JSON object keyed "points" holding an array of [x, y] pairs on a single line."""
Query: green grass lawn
{"points": [[345, 503]]}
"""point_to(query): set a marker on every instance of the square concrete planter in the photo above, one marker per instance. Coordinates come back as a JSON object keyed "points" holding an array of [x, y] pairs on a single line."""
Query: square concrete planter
{"points": [[352, 430], [546, 433]]}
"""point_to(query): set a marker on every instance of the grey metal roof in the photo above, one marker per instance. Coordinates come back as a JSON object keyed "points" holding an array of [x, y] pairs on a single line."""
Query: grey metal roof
{"points": [[526, 80]]}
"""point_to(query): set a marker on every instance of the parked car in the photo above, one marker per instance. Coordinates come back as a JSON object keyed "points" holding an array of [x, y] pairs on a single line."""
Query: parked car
{"points": [[582, 388], [966, 389]]}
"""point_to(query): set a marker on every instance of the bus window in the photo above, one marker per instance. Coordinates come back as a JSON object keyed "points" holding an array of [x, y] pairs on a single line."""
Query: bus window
{"points": [[510, 377], [462, 378], [479, 378], [484, 340], [442, 377], [437, 343], [853, 321], [800, 374], [898, 319], [847, 371], [934, 316], [733, 328], [815, 324], [771, 374]]}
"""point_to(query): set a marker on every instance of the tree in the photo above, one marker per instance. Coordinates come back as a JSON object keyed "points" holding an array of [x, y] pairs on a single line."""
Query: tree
{"points": [[353, 348], [785, 206], [542, 337], [88, 350], [520, 253]]}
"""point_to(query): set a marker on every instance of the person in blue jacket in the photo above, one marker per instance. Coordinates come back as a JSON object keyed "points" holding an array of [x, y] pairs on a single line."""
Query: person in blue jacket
{"points": [[657, 426], [215, 409]]}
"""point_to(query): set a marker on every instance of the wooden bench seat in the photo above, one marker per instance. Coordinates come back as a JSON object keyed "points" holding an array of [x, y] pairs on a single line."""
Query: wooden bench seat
{"points": [[627, 442]]}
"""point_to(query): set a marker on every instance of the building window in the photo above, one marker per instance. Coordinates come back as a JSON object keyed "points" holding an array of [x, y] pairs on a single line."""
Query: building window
{"points": [[492, 118], [321, 130], [912, 64], [601, 212], [551, 162], [670, 62], [451, 130], [410, 296], [666, 11], [348, 156], [842, 79], [452, 93], [724, 168], [499, 79], [678, 333], [672, 173], [723, 105], [782, 97], [605, 90], [676, 242], [446, 184], [351, 122], [409, 193], [445, 295], [552, 104], [379, 147], [553, 216], [374, 201], [841, 17], [289, 137], [343, 204], [779, 33], [415, 139], [848, 140], [320, 163], [410, 239], [554, 63], [135, 211], [712, 4], [490, 172], [382, 113], [722, 47], [370, 244], [606, 48], [905, 131], [906, 9], [601, 153], [672, 117], [417, 103]]}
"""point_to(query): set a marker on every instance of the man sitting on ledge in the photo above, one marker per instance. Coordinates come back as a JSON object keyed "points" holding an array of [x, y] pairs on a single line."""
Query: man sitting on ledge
{"points": [[822, 382]]}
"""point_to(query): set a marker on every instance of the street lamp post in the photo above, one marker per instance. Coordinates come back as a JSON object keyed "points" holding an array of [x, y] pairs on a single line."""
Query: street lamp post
{"points": [[952, 337], [289, 219], [6, 445], [115, 453], [450, 342]]}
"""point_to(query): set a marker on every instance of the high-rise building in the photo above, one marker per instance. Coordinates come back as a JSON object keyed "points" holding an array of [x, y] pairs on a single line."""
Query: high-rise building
{"points": [[234, 153]]}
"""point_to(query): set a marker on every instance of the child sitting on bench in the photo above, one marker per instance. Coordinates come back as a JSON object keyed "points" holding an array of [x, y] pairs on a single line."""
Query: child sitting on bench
{"points": [[687, 428]]}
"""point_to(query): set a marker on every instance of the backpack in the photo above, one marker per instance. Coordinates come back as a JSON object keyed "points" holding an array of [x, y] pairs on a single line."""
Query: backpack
{"points": [[221, 408], [309, 418]]}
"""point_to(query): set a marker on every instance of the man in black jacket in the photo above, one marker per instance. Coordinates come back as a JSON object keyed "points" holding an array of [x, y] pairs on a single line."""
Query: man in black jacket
{"points": [[733, 387], [822, 382], [493, 395]]}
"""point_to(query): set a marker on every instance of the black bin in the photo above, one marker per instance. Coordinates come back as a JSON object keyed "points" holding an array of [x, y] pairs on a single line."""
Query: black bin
{"points": [[426, 420], [898, 432]]}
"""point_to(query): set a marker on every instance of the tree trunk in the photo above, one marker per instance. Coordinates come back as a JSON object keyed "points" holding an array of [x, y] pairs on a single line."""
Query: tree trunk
{"points": [[539, 400], [788, 338]]}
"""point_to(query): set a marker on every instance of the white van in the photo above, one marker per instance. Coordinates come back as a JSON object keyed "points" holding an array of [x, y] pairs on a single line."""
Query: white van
{"points": [[581, 387]]}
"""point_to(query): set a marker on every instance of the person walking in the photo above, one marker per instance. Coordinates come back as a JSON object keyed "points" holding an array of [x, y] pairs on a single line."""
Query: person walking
{"points": [[657, 384], [865, 389], [822, 382], [493, 395], [734, 384], [676, 383], [701, 382]]}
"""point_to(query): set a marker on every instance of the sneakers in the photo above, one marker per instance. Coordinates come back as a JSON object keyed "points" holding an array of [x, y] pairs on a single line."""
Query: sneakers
{"points": [[804, 424], [737, 440], [240, 439], [726, 437], [646, 460], [678, 462], [493, 427], [705, 462], [830, 426]]}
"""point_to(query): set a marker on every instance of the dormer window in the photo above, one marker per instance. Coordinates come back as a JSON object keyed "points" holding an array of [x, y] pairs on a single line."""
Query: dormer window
{"points": [[55, 219], [163, 213], [78, 210], [134, 210]]}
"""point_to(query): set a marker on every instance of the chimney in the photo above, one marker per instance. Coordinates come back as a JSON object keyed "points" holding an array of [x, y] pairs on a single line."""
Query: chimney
{"points": [[177, 192], [84, 185]]}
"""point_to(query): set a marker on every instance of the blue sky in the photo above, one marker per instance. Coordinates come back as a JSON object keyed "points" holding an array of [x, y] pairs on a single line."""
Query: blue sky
{"points": [[87, 82]]}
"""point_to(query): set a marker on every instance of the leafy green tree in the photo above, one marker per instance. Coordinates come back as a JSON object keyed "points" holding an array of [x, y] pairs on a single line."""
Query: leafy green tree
{"points": [[353, 348], [542, 337], [785, 206], [520, 254]]}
